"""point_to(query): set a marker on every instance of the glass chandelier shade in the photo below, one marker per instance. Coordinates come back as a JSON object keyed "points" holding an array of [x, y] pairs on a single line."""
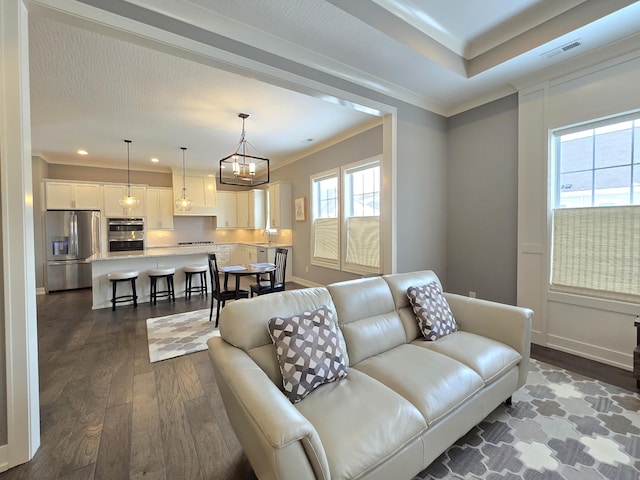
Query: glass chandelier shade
{"points": [[184, 203], [128, 202], [242, 167]]}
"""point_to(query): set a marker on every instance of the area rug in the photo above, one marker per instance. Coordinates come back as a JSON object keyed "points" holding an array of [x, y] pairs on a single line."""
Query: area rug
{"points": [[179, 334], [560, 426]]}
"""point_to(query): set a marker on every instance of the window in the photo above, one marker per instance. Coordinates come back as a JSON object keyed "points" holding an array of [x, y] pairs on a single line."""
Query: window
{"points": [[345, 205], [596, 220], [326, 227], [362, 218], [599, 165]]}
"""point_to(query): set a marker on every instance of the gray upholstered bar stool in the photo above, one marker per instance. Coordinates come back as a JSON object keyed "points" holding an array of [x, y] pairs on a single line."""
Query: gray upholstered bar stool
{"points": [[128, 276], [190, 271], [167, 274]]}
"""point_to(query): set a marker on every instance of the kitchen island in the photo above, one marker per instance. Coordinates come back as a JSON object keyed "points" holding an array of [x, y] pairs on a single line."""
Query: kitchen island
{"points": [[162, 257]]}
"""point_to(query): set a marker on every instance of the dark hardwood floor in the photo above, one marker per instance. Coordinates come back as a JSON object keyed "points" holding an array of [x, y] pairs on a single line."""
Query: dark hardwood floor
{"points": [[107, 413]]}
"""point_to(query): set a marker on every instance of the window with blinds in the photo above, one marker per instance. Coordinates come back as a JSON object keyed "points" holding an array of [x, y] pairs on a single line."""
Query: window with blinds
{"points": [[596, 252], [362, 217], [596, 220], [345, 206], [325, 205]]}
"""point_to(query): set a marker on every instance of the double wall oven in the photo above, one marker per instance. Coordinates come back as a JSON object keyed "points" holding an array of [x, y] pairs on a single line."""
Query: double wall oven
{"points": [[125, 234]]}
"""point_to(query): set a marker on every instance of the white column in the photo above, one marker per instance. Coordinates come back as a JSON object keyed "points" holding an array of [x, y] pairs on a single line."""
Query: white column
{"points": [[18, 254]]}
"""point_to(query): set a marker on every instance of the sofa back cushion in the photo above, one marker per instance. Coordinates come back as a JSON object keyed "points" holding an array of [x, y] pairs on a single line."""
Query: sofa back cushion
{"points": [[398, 284], [244, 323], [367, 317]]}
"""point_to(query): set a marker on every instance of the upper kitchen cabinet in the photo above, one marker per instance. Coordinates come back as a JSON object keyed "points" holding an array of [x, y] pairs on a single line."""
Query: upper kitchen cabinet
{"points": [[72, 196], [226, 210], [112, 195], [280, 205], [159, 208], [201, 189], [251, 209]]}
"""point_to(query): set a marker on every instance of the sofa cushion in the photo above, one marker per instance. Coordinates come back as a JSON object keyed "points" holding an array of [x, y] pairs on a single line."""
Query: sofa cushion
{"points": [[361, 423], [489, 358], [308, 351], [367, 317], [432, 311], [434, 383]]}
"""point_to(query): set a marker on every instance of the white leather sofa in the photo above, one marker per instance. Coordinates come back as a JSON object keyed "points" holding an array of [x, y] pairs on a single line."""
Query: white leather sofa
{"points": [[404, 400]]}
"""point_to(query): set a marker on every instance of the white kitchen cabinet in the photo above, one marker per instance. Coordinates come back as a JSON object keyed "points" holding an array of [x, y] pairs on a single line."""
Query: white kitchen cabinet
{"points": [[242, 205], [251, 209], [226, 210], [159, 208], [72, 196], [224, 253], [112, 195], [280, 205], [201, 189]]}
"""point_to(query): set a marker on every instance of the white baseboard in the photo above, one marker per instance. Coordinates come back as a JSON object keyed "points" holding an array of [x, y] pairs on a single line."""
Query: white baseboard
{"points": [[305, 283], [4, 461], [592, 352]]}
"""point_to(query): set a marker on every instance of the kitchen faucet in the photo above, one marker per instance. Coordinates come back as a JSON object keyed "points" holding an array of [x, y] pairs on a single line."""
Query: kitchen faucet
{"points": [[268, 234]]}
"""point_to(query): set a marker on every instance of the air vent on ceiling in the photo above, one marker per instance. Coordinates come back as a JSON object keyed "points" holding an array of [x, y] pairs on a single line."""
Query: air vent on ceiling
{"points": [[562, 49]]}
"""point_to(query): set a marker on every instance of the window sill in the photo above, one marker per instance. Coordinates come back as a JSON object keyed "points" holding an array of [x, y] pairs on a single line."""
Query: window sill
{"points": [[592, 302]]}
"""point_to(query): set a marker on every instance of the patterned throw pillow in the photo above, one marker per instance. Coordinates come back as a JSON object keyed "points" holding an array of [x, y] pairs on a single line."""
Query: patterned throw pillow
{"points": [[308, 351], [432, 310]]}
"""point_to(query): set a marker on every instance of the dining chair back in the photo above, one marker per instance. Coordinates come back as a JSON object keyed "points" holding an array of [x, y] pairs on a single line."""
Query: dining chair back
{"points": [[219, 291], [275, 282]]}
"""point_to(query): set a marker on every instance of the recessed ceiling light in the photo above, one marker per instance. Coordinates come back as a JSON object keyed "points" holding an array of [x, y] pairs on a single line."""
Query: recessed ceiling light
{"points": [[83, 152], [212, 175], [155, 160]]}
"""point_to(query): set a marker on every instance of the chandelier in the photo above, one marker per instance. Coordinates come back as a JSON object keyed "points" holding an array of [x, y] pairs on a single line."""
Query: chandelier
{"points": [[241, 167], [128, 201], [184, 203]]}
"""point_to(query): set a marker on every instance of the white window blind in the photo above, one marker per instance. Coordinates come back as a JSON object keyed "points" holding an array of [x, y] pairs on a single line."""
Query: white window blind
{"points": [[596, 252], [363, 242], [326, 240]]}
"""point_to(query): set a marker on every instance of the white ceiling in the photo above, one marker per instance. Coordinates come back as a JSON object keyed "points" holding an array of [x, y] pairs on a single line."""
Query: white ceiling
{"points": [[91, 91]]}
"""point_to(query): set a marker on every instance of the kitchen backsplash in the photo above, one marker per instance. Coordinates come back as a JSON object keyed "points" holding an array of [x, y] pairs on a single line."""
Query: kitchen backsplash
{"points": [[197, 229]]}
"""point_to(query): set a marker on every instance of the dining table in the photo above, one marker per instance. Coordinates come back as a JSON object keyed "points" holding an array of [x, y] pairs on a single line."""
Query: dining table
{"points": [[240, 271]]}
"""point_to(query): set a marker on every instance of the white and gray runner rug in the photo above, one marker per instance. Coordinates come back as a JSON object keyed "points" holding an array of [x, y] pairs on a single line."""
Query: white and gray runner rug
{"points": [[179, 334], [561, 426]]}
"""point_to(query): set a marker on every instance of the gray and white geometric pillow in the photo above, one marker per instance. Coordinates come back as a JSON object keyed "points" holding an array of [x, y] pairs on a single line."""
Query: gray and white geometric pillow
{"points": [[308, 351], [432, 310]]}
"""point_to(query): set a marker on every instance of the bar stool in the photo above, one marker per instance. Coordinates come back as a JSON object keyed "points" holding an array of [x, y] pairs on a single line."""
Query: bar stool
{"points": [[167, 274], [128, 276], [190, 271]]}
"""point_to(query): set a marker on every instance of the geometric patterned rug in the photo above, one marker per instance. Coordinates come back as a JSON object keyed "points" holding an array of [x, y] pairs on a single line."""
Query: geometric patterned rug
{"points": [[561, 426], [179, 334]]}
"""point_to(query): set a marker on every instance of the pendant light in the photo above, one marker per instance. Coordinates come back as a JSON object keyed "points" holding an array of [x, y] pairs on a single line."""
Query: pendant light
{"points": [[242, 168], [184, 203], [129, 202]]}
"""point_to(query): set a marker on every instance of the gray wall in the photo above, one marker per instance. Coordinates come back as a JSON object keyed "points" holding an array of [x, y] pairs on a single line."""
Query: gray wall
{"points": [[422, 188], [482, 201], [108, 175], [40, 170]]}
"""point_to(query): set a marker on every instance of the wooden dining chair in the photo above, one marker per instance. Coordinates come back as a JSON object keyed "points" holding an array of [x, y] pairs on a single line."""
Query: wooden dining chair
{"points": [[275, 282], [220, 293]]}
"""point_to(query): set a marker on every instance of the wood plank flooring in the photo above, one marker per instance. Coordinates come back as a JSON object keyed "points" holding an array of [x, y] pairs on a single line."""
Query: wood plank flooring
{"points": [[109, 414]]}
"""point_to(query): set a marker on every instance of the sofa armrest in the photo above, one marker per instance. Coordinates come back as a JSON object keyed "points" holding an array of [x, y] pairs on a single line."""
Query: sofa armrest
{"points": [[505, 323], [278, 440]]}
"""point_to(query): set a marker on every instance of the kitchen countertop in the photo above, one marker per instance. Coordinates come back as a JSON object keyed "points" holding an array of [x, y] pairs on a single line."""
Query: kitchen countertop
{"points": [[174, 251]]}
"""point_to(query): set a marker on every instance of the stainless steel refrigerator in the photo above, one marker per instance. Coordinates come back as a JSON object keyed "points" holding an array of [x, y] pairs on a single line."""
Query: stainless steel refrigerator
{"points": [[72, 236]]}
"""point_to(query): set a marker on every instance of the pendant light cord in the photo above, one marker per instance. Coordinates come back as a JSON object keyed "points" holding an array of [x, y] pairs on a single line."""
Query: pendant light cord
{"points": [[128, 142], [184, 175]]}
